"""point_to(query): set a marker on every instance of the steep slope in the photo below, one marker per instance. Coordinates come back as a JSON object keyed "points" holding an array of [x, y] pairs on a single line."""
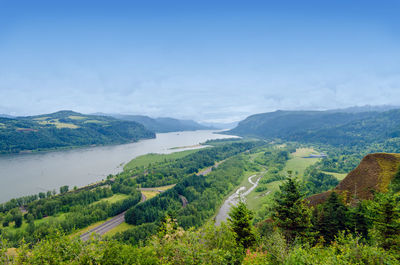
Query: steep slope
{"points": [[322, 126], [162, 125], [374, 173], [66, 129]]}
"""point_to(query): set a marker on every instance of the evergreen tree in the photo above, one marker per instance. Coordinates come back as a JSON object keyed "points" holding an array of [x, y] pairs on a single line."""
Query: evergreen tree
{"points": [[332, 218], [387, 221], [240, 222], [359, 223], [290, 213]]}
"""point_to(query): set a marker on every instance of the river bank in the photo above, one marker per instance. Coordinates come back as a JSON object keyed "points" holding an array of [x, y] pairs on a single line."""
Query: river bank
{"points": [[25, 174]]}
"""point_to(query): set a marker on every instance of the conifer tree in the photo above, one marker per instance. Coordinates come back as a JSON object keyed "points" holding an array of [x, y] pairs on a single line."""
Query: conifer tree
{"points": [[359, 223], [240, 222], [387, 221], [290, 212], [332, 218]]}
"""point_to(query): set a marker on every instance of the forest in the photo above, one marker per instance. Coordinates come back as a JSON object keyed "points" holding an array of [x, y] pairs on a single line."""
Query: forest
{"points": [[170, 172], [332, 233]]}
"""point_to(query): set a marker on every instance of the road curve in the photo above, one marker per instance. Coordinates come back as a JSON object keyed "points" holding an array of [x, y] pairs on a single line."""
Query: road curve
{"points": [[184, 201], [241, 192]]}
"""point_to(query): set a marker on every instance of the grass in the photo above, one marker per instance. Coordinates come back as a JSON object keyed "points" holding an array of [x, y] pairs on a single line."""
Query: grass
{"points": [[339, 176], [164, 187], [120, 228], [305, 151], [150, 194], [114, 198], [187, 146], [145, 160], [255, 200], [73, 117], [58, 124], [297, 163]]}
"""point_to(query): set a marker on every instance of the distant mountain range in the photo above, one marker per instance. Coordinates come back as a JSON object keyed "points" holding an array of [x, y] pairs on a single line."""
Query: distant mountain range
{"points": [[161, 125], [366, 108], [328, 127], [66, 129]]}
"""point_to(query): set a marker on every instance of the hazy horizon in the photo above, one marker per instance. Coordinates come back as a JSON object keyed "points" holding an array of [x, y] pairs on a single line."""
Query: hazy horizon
{"points": [[215, 61]]}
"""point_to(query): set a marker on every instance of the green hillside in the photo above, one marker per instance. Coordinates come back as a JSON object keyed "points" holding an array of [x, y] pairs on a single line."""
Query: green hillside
{"points": [[66, 129], [322, 126]]}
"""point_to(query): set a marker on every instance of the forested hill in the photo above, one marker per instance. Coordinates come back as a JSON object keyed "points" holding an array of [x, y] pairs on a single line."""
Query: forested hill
{"points": [[66, 129], [337, 128], [162, 125]]}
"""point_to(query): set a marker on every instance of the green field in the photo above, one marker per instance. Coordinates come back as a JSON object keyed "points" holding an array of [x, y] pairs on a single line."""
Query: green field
{"points": [[114, 198], [297, 163], [339, 176], [145, 160]]}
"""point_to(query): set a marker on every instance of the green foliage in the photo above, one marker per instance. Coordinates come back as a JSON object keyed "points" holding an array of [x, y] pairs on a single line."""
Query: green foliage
{"points": [[171, 171], [63, 189], [359, 222], [331, 217], [74, 210], [204, 194], [317, 182], [290, 213], [386, 221], [240, 218], [395, 183]]}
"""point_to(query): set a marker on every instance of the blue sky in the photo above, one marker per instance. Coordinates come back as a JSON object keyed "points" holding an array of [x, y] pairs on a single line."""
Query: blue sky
{"points": [[206, 60]]}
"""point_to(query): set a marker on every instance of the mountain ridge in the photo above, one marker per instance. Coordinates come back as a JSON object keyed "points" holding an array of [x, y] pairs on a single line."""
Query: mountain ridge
{"points": [[161, 124], [336, 128]]}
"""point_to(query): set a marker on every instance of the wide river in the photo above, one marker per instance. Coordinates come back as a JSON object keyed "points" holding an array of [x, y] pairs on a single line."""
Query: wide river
{"points": [[26, 174]]}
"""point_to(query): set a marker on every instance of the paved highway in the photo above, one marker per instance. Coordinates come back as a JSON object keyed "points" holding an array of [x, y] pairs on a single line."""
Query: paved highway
{"points": [[104, 227]]}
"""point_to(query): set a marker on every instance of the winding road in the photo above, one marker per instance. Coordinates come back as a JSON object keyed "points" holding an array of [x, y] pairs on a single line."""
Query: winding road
{"points": [[240, 193]]}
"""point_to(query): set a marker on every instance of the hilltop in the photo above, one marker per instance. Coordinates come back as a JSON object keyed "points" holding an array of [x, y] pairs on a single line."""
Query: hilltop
{"points": [[373, 174], [66, 129]]}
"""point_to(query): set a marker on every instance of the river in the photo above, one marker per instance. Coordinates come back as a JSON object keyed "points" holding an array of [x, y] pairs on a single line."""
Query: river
{"points": [[25, 174]]}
